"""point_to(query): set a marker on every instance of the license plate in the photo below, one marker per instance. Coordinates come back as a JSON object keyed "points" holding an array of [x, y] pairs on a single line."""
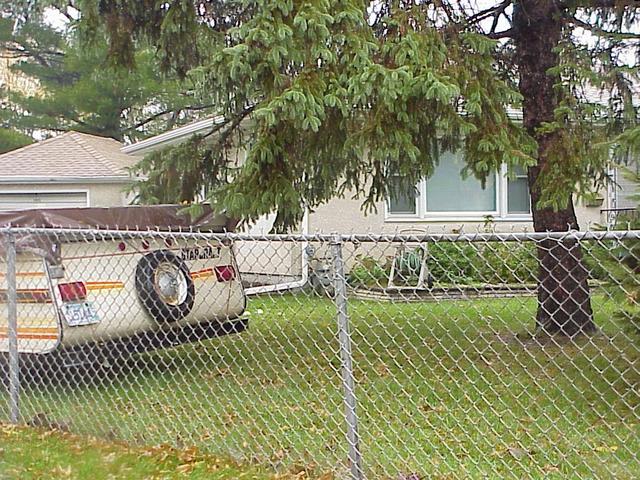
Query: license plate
{"points": [[77, 314]]}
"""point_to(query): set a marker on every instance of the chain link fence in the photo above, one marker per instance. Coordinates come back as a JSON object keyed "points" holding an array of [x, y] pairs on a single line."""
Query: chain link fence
{"points": [[336, 356]]}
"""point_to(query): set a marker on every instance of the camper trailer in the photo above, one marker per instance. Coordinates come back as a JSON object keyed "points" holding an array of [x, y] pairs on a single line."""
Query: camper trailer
{"points": [[119, 289]]}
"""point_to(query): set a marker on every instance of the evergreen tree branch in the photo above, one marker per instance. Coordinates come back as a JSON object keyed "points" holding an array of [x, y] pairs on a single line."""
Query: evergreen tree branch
{"points": [[499, 35], [494, 11], [602, 32], [232, 124], [24, 52], [155, 116]]}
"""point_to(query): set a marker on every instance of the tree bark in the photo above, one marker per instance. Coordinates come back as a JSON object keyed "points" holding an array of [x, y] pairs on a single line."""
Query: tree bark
{"points": [[564, 305]]}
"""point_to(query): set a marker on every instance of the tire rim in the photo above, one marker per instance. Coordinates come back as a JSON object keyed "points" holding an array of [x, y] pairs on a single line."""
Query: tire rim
{"points": [[170, 284]]}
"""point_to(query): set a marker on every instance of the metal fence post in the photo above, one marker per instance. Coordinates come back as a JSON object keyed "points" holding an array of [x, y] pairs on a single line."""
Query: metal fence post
{"points": [[344, 338], [12, 330]]}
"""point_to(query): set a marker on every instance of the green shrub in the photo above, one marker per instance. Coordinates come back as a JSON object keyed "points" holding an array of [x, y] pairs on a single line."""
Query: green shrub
{"points": [[617, 264], [452, 262], [509, 262], [462, 263], [368, 272], [484, 263]]}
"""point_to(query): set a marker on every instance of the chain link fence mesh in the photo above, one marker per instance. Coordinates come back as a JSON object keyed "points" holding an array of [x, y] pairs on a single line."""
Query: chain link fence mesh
{"points": [[402, 357]]}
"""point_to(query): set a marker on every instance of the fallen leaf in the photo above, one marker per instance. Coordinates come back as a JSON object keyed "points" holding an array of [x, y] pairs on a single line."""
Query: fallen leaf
{"points": [[62, 471], [517, 453], [110, 457], [279, 455], [188, 455], [606, 448], [184, 468], [382, 370], [432, 408], [409, 476], [8, 429], [326, 476]]}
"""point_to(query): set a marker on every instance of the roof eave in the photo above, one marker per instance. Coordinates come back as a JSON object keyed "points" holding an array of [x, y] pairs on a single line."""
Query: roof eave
{"points": [[172, 136], [65, 180]]}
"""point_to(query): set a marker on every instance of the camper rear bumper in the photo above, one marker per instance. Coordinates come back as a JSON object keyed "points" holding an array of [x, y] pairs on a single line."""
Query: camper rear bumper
{"points": [[111, 351]]}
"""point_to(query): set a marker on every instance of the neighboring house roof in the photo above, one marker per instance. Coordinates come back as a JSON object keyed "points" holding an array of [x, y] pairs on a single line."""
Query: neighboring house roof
{"points": [[71, 157]]}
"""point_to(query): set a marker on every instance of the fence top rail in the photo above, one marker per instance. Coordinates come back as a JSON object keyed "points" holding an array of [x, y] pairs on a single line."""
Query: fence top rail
{"points": [[112, 234]]}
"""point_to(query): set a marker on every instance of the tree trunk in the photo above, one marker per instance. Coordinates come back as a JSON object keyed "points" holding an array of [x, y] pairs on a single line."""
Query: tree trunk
{"points": [[564, 304]]}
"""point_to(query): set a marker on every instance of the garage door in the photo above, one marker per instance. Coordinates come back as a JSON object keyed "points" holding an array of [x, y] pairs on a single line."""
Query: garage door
{"points": [[24, 200]]}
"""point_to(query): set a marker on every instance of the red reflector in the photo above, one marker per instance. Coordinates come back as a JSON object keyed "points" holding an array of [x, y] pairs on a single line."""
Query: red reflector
{"points": [[71, 292], [225, 273]]}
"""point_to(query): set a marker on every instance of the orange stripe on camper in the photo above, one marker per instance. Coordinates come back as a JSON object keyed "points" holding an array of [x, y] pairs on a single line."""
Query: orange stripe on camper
{"points": [[32, 336], [206, 273], [31, 330], [33, 290], [104, 285], [41, 295], [32, 333]]}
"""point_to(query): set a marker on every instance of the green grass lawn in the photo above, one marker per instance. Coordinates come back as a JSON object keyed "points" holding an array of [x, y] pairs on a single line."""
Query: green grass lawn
{"points": [[27, 454], [445, 390]]}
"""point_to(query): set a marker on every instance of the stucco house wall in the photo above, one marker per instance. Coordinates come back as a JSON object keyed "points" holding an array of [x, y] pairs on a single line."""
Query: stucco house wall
{"points": [[344, 215]]}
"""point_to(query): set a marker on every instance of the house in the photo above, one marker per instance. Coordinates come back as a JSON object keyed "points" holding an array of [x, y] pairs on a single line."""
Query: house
{"points": [[70, 170], [444, 202]]}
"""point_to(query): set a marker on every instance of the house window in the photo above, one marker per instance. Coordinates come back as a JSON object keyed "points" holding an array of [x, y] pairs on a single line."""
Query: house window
{"points": [[447, 191], [403, 201], [446, 195], [518, 200]]}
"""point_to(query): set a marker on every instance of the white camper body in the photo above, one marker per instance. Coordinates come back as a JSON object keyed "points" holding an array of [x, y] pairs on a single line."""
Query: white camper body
{"points": [[97, 292]]}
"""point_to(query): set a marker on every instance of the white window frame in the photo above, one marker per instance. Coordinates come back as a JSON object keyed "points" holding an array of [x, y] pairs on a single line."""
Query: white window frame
{"points": [[501, 214]]}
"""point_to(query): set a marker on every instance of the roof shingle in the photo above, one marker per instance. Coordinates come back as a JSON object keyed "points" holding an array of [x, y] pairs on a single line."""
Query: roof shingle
{"points": [[71, 155]]}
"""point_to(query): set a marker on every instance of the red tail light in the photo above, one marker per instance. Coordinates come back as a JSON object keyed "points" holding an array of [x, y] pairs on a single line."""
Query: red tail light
{"points": [[225, 273], [72, 292]]}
